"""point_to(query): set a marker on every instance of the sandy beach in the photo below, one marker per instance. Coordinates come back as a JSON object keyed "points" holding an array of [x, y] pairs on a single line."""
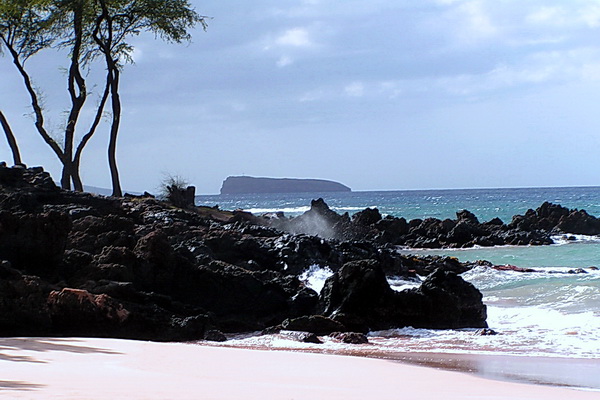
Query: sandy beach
{"points": [[76, 368]]}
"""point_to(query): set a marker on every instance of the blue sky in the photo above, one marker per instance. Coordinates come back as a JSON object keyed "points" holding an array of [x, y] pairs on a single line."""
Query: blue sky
{"points": [[378, 95]]}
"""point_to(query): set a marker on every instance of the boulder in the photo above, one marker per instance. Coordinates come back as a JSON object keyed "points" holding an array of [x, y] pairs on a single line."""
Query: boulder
{"points": [[578, 222], [304, 337], [350, 337], [368, 216], [23, 306], [320, 221], [454, 303], [34, 242], [317, 324], [79, 312], [359, 296], [359, 287], [467, 216]]}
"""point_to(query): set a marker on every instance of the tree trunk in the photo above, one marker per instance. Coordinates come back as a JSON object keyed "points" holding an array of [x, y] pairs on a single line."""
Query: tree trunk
{"points": [[77, 184], [114, 131], [35, 104], [12, 141], [65, 178], [105, 42], [78, 94]]}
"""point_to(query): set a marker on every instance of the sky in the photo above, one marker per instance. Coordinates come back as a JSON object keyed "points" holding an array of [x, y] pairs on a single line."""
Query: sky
{"points": [[377, 95]]}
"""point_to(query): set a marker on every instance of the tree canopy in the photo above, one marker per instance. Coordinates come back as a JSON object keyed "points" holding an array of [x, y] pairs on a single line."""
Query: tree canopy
{"points": [[94, 34]]}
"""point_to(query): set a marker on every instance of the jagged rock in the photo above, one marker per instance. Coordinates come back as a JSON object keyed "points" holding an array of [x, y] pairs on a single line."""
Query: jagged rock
{"points": [[467, 216], [579, 222], [350, 337], [317, 324], [486, 332], [514, 268], [358, 287], [191, 328], [138, 268], [320, 221], [23, 307], [240, 300], [304, 337], [296, 253], [79, 312], [215, 335], [272, 330], [359, 296], [556, 218], [392, 230], [34, 243], [577, 271], [368, 216], [453, 303]]}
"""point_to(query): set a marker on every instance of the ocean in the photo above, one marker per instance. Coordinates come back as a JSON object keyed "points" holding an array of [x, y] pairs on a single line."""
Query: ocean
{"points": [[549, 313]]}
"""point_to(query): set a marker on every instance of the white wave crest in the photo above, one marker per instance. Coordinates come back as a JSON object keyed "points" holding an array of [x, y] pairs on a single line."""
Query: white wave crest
{"points": [[315, 277], [573, 238], [286, 210]]}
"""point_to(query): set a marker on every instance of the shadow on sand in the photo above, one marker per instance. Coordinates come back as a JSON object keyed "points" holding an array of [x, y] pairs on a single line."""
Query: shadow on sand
{"points": [[12, 349], [47, 344], [19, 386]]}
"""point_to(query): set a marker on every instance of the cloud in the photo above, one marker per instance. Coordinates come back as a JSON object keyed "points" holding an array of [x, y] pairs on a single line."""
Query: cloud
{"points": [[591, 16], [284, 61], [562, 16], [548, 15], [340, 66], [296, 37], [475, 24], [355, 89]]}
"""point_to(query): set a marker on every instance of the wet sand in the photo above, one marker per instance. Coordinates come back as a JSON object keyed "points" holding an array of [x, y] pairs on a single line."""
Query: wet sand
{"points": [[75, 368]]}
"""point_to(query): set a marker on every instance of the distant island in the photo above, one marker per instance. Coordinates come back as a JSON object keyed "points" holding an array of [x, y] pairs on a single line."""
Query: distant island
{"points": [[249, 184]]}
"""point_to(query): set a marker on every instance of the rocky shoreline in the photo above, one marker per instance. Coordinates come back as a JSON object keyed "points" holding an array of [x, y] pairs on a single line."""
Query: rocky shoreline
{"points": [[535, 227], [135, 267]]}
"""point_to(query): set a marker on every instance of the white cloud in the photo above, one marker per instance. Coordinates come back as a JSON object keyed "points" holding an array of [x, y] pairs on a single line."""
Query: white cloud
{"points": [[284, 61], [591, 72], [296, 37], [548, 15], [137, 54], [591, 16], [314, 95], [562, 16], [355, 89], [478, 21]]}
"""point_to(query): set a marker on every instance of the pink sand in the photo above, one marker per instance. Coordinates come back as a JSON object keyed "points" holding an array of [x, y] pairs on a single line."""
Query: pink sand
{"points": [[43, 368]]}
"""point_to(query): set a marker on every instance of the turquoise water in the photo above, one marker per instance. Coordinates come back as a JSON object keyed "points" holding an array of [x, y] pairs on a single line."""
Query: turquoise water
{"points": [[580, 254], [484, 203], [549, 313]]}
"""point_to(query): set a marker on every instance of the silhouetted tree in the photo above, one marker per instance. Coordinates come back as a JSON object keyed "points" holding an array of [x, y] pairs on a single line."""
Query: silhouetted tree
{"points": [[88, 29], [30, 26], [10, 138], [119, 20]]}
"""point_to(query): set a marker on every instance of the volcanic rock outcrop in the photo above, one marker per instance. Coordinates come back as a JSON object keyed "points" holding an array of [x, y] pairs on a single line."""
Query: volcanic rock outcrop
{"points": [[136, 267], [536, 227]]}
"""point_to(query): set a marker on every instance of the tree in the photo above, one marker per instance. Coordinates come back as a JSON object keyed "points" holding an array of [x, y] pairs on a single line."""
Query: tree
{"points": [[30, 26], [120, 19], [88, 29], [10, 138]]}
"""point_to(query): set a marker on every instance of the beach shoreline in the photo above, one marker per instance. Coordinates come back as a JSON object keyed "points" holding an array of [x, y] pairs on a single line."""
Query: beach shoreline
{"points": [[92, 368], [570, 372]]}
